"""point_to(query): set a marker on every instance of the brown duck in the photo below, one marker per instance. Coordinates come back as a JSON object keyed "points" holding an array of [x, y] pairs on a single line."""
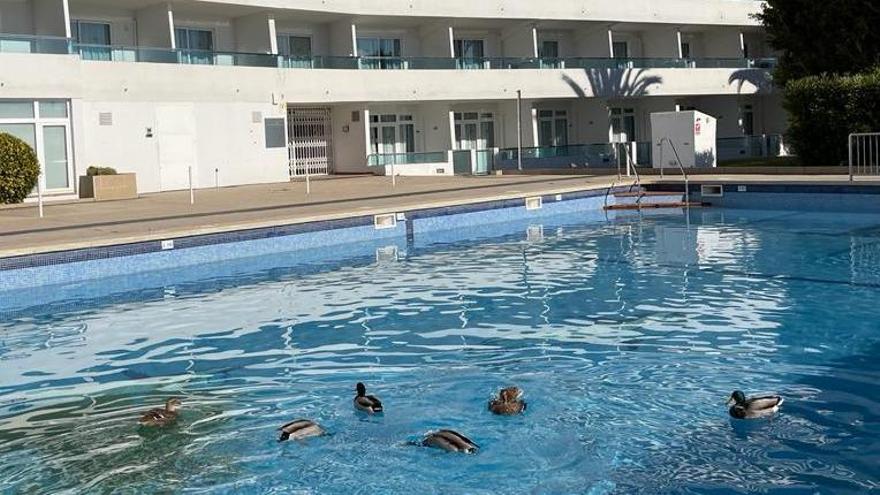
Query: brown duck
{"points": [[162, 416], [508, 402]]}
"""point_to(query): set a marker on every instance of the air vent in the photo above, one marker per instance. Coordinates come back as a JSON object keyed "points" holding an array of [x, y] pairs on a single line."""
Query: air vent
{"points": [[534, 203], [105, 118], [167, 244], [712, 190], [387, 221]]}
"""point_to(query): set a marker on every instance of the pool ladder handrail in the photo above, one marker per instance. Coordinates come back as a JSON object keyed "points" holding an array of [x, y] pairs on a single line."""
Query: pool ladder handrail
{"points": [[687, 189]]}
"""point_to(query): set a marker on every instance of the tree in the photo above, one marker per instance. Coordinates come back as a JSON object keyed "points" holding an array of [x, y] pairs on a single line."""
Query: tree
{"points": [[19, 169], [822, 36]]}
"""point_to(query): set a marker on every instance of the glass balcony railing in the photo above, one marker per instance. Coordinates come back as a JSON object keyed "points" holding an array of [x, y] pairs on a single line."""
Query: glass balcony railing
{"points": [[17, 43], [381, 160], [749, 147], [13, 43], [584, 155]]}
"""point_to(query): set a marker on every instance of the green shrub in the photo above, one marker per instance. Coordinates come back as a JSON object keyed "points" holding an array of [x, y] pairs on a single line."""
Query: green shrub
{"points": [[19, 169], [824, 110], [93, 171]]}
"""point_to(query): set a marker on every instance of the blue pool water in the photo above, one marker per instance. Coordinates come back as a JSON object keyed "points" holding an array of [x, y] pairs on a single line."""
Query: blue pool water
{"points": [[626, 334]]}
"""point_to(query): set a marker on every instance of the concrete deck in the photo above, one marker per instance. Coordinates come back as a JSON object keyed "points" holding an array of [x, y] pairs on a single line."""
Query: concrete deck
{"points": [[166, 215]]}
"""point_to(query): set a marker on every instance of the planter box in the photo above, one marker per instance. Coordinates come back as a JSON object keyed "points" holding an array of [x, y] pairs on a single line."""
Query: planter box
{"points": [[108, 187]]}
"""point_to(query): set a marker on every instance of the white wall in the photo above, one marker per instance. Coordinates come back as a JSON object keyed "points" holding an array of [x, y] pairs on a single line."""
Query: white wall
{"points": [[153, 26], [252, 33], [349, 148], [435, 41], [341, 42], [722, 43], [16, 17], [49, 18], [592, 42], [659, 43], [710, 12], [518, 41]]}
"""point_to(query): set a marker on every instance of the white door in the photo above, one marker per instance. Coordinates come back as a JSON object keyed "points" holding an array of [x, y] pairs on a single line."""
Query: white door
{"points": [[310, 143], [176, 131]]}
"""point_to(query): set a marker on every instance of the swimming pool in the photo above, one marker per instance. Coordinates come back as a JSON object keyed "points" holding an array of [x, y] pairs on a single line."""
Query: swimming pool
{"points": [[626, 334]]}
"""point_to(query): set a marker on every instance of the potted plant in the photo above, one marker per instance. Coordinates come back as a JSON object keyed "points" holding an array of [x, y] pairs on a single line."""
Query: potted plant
{"points": [[104, 183]]}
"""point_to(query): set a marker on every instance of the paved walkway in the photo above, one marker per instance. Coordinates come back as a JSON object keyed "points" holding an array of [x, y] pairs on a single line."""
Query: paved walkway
{"points": [[165, 215]]}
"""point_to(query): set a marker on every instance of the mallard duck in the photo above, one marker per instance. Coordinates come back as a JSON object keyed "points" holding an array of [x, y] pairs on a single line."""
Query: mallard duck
{"points": [[162, 416], [367, 403], [753, 407], [450, 441], [508, 402], [300, 430]]}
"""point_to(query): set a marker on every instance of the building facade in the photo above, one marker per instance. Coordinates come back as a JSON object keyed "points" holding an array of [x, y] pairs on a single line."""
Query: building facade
{"points": [[249, 91]]}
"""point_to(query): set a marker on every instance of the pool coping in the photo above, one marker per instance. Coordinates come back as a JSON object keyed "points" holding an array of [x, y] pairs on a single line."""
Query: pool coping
{"points": [[189, 237]]}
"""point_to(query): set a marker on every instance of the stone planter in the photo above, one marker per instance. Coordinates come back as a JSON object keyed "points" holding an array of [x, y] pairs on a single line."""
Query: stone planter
{"points": [[108, 187]]}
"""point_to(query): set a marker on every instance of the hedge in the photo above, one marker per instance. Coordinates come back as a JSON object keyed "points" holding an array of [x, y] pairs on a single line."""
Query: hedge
{"points": [[93, 171], [824, 110], [19, 169]]}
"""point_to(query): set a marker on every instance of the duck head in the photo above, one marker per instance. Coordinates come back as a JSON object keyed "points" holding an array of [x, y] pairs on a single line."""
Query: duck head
{"points": [[361, 389], [173, 404], [737, 397], [510, 394]]}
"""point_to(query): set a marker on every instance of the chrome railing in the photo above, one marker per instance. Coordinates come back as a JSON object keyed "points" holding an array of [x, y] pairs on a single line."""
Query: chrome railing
{"points": [[687, 188], [864, 154]]}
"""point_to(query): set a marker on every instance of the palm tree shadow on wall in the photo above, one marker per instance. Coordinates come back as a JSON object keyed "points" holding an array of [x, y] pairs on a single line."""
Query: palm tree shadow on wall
{"points": [[761, 79], [614, 83]]}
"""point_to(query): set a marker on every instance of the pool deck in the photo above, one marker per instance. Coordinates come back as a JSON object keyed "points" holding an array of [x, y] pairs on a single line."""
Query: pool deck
{"points": [[82, 224]]}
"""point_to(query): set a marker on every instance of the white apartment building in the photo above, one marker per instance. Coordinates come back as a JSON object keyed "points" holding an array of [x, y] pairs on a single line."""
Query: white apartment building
{"points": [[250, 91]]}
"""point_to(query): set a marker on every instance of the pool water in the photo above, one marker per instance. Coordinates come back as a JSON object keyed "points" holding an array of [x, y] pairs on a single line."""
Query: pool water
{"points": [[626, 335]]}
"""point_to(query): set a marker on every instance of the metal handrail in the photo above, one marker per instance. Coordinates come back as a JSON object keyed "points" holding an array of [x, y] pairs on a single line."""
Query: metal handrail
{"points": [[864, 153], [687, 189]]}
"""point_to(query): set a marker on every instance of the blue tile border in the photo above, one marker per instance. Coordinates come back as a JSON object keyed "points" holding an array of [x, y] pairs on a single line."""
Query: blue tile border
{"points": [[188, 242]]}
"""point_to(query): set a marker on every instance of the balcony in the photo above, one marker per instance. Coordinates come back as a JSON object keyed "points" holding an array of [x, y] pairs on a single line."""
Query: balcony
{"points": [[56, 45]]}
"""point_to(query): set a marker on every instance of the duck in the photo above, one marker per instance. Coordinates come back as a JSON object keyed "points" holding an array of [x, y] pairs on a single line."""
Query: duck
{"points": [[367, 403], [450, 441], [508, 402], [300, 429], [162, 416], [753, 407]]}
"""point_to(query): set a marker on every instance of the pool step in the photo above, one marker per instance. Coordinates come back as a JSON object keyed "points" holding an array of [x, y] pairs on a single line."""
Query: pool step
{"points": [[656, 205], [641, 199]]}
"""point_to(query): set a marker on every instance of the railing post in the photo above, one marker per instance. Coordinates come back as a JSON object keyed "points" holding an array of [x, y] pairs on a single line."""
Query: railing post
{"points": [[217, 179], [40, 194], [519, 136], [849, 143], [393, 177], [473, 160], [308, 180], [192, 197]]}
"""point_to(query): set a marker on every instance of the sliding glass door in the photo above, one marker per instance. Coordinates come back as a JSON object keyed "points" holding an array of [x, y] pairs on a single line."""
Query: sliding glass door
{"points": [[196, 46], [379, 53]]}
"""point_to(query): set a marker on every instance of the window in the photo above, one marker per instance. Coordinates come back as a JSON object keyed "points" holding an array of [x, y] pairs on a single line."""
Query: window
{"points": [[196, 45], [92, 38], [275, 136], [548, 52], [392, 134], [294, 46], [45, 126], [620, 49], [379, 53], [552, 128], [470, 54], [474, 130], [623, 125], [747, 120]]}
